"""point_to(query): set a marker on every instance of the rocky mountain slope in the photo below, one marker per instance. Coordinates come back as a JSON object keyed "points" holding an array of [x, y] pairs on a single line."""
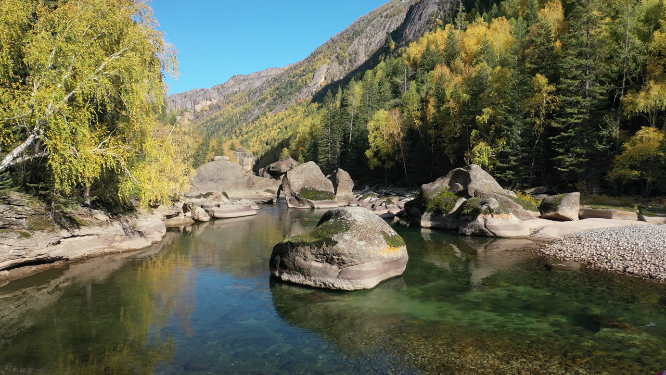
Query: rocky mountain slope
{"points": [[219, 112]]}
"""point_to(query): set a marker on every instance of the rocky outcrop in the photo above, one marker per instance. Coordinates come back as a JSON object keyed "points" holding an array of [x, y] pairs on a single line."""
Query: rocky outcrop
{"points": [[489, 218], [193, 100], [422, 17], [564, 207], [343, 185], [245, 159], [350, 249], [306, 187], [231, 178], [439, 202], [279, 168], [18, 248], [198, 99]]}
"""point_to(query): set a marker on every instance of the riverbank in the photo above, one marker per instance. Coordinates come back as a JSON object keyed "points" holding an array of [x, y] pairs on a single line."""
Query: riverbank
{"points": [[33, 239], [638, 250]]}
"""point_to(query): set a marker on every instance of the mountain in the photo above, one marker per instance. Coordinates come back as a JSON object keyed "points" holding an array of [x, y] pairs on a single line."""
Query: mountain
{"points": [[221, 112], [197, 99]]}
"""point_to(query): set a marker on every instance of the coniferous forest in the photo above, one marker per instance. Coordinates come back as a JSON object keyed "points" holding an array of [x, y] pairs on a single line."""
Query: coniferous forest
{"points": [[559, 93]]}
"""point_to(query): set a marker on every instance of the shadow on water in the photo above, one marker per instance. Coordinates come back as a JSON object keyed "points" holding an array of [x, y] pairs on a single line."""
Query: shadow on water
{"points": [[203, 301]]}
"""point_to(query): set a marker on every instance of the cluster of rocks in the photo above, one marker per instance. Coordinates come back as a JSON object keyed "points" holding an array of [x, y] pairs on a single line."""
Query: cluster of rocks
{"points": [[635, 249]]}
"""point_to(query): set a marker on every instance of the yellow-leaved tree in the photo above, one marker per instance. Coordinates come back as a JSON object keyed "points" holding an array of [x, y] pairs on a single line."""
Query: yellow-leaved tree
{"points": [[386, 135], [80, 86], [643, 159]]}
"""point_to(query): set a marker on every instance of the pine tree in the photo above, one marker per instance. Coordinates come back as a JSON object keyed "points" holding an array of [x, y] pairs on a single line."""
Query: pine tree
{"points": [[583, 90]]}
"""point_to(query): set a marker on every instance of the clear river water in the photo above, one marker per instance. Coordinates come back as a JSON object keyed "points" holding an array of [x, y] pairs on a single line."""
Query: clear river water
{"points": [[203, 302]]}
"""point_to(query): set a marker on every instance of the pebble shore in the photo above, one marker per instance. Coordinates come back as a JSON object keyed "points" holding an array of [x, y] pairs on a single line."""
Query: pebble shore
{"points": [[638, 250]]}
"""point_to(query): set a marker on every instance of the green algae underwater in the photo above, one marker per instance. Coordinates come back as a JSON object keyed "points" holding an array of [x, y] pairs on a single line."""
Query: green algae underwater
{"points": [[203, 302]]}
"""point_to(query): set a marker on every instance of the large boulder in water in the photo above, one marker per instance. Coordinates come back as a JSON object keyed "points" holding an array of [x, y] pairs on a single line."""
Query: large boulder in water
{"points": [[490, 218], [343, 185], [306, 187], [350, 249], [225, 176]]}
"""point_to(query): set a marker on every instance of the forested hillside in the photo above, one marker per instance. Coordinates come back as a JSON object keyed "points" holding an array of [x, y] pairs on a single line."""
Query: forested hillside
{"points": [[557, 92], [246, 113]]}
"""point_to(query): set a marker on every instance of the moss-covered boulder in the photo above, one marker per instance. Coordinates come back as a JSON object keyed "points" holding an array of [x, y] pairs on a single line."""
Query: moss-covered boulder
{"points": [[564, 207], [306, 187], [350, 249], [441, 197], [489, 217]]}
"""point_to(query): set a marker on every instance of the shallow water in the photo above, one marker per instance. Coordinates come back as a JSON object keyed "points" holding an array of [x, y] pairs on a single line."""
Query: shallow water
{"points": [[203, 302]]}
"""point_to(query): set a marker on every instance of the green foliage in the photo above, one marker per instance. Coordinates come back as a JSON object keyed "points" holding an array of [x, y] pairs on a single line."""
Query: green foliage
{"points": [[322, 235], [81, 88], [643, 159]]}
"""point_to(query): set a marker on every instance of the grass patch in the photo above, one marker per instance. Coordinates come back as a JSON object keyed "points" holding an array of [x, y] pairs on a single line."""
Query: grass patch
{"points": [[316, 195], [652, 210], [528, 205], [605, 200], [619, 208], [270, 191]]}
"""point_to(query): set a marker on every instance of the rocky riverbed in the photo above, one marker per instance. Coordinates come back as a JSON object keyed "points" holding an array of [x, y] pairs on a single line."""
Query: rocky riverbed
{"points": [[639, 250]]}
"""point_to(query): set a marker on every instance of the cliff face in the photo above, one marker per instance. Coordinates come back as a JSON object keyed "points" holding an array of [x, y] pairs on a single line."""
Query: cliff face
{"points": [[198, 99], [422, 18]]}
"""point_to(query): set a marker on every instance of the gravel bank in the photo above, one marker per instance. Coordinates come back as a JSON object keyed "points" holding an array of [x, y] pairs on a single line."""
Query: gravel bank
{"points": [[638, 250]]}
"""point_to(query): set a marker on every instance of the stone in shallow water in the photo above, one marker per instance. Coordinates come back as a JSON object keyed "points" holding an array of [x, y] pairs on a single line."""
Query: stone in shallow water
{"points": [[350, 249]]}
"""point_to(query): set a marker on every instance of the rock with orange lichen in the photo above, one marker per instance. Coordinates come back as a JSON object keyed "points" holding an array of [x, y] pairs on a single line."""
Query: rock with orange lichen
{"points": [[350, 249]]}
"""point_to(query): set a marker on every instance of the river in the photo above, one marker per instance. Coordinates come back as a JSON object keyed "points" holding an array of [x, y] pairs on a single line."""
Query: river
{"points": [[203, 302]]}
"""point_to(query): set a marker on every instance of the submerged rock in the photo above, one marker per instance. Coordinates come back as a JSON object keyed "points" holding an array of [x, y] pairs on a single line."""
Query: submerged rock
{"points": [[350, 249], [306, 187], [564, 207]]}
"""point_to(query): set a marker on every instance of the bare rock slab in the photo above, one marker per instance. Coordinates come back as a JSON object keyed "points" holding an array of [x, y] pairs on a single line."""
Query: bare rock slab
{"points": [[605, 213], [230, 212], [350, 249]]}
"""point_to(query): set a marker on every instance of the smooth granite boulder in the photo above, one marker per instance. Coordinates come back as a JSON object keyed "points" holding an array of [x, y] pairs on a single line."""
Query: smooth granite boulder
{"points": [[488, 217], [343, 185], [306, 187], [350, 249], [231, 178], [563, 207]]}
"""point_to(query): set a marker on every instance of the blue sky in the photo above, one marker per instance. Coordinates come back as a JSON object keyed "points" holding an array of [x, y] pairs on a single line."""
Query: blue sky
{"points": [[217, 39]]}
